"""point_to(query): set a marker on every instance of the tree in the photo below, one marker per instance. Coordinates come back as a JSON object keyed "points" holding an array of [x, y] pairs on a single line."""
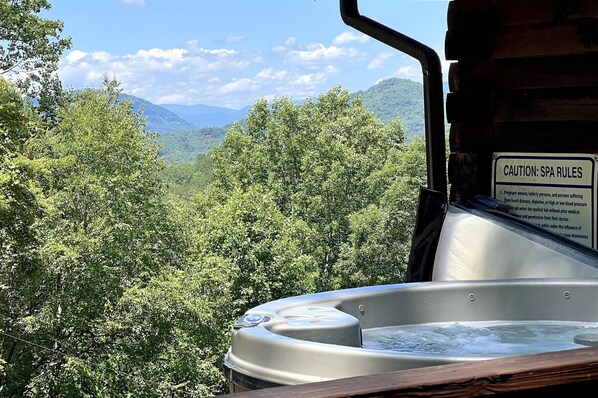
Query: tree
{"points": [[187, 179], [105, 230], [21, 206], [377, 251], [322, 162], [168, 338], [112, 287], [31, 49], [271, 255]]}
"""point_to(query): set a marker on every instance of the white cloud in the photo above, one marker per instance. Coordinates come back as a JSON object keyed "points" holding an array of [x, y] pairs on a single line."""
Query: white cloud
{"points": [[92, 76], [316, 52], [405, 70], [310, 79], [289, 43], [384, 55], [181, 74], [378, 61], [221, 76], [269, 74], [349, 37], [409, 72], [305, 79], [232, 38], [170, 54], [134, 2], [101, 56], [354, 53], [216, 51], [75, 56], [174, 99], [193, 45], [235, 86]]}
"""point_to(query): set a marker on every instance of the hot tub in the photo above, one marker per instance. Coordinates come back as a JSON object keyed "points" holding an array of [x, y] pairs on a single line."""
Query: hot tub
{"points": [[377, 329]]}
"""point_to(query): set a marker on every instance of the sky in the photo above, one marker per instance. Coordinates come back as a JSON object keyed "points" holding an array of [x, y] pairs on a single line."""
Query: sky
{"points": [[230, 53]]}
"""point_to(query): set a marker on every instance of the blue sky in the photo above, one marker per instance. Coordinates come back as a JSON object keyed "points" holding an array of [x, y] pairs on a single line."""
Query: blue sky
{"points": [[231, 52]]}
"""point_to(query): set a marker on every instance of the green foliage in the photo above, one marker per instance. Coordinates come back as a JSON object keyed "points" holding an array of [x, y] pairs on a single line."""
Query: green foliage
{"points": [[185, 146], [120, 276], [31, 49], [271, 254], [158, 119], [380, 236], [106, 232], [326, 162], [168, 338], [187, 179], [21, 205], [394, 98]]}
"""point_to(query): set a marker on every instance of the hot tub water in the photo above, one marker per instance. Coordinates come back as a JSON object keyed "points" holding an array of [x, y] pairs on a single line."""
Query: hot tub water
{"points": [[480, 337]]}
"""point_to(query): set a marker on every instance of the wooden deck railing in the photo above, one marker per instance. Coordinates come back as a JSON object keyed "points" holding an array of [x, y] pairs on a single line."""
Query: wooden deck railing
{"points": [[571, 373]]}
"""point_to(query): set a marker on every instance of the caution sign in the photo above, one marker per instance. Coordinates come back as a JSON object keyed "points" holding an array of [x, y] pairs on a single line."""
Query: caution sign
{"points": [[553, 191]]}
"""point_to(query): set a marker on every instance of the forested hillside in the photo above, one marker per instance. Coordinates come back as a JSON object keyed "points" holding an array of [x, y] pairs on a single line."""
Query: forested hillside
{"points": [[206, 115], [389, 99], [114, 285], [397, 98], [185, 146], [159, 119]]}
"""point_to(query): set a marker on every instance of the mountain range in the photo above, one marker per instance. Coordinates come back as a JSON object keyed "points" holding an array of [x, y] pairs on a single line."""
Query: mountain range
{"points": [[206, 115], [188, 130]]}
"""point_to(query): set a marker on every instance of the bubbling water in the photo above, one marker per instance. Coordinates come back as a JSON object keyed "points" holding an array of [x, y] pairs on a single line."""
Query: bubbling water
{"points": [[487, 338]]}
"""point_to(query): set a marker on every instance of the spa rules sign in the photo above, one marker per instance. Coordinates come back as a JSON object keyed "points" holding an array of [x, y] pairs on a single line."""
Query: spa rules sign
{"points": [[554, 191]]}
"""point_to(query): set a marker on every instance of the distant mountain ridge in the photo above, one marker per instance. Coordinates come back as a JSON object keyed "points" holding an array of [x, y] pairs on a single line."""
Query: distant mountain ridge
{"points": [[388, 99], [392, 98], [159, 119], [207, 115], [188, 130]]}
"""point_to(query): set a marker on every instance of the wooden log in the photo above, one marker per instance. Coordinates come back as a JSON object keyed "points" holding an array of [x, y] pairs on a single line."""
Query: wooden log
{"points": [[518, 12], [524, 73], [544, 137], [469, 137], [462, 176], [469, 106], [480, 41], [573, 372], [469, 174], [523, 106], [537, 106]]}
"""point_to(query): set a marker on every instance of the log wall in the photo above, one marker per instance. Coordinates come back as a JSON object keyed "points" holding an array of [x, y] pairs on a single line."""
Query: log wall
{"points": [[524, 78]]}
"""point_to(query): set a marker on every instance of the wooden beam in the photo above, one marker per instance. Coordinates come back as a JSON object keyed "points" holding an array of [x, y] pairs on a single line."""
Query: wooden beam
{"points": [[518, 12], [481, 41], [574, 372], [556, 105], [483, 106], [549, 137], [524, 73], [469, 174]]}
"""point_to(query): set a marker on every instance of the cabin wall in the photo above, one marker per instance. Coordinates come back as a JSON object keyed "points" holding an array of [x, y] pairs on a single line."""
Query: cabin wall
{"points": [[524, 78]]}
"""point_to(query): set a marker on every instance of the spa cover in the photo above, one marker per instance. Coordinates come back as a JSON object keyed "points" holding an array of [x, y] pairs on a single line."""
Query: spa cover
{"points": [[481, 241]]}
